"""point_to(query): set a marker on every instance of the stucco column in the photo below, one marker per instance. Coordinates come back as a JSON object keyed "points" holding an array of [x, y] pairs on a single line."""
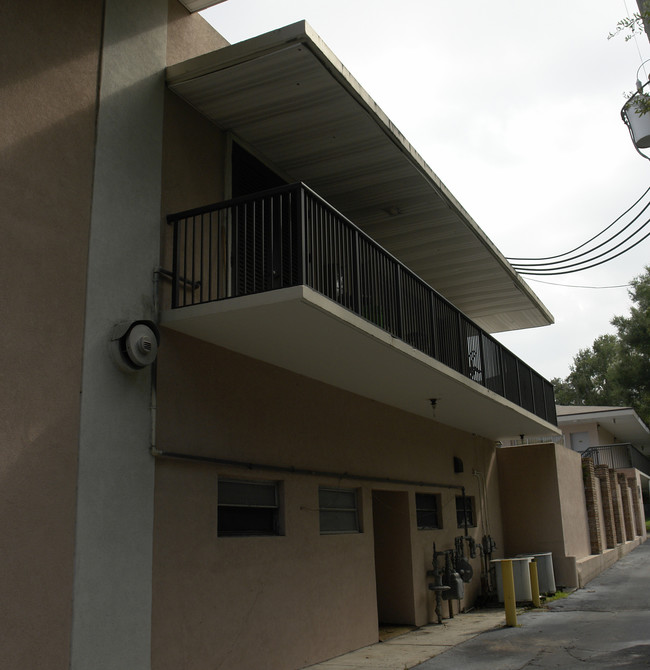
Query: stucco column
{"points": [[111, 625]]}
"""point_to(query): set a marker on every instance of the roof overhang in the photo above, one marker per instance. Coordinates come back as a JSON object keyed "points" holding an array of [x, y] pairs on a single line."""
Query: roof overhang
{"points": [[288, 97], [623, 422], [302, 331]]}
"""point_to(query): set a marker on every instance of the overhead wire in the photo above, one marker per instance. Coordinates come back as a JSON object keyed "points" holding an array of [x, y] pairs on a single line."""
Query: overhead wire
{"points": [[552, 283], [598, 246], [540, 266], [559, 263], [604, 230], [558, 271]]}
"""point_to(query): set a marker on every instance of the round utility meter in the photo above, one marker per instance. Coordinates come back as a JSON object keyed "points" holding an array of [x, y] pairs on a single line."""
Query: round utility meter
{"points": [[135, 345], [141, 345]]}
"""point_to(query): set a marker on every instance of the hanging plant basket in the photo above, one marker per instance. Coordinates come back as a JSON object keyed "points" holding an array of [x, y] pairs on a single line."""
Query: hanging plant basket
{"points": [[637, 118]]}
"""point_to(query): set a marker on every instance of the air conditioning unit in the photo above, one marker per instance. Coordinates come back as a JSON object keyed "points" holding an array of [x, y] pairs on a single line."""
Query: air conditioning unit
{"points": [[545, 574], [521, 574]]}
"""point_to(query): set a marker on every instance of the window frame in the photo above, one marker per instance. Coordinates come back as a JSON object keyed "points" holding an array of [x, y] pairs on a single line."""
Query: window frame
{"points": [[437, 508], [470, 506], [323, 511], [232, 509]]}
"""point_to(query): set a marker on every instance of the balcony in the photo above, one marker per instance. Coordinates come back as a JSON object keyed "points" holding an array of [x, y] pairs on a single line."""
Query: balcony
{"points": [[284, 277], [617, 456]]}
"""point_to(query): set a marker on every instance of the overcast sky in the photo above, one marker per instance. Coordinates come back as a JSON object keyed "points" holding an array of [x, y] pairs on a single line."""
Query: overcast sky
{"points": [[515, 105]]}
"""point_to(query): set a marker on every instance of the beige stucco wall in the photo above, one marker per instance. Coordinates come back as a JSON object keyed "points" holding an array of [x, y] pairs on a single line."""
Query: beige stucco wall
{"points": [[543, 505], [604, 436], [47, 114], [572, 502], [189, 35], [597, 434], [301, 597]]}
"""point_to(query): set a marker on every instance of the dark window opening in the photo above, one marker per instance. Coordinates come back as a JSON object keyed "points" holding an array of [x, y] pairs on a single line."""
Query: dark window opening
{"points": [[465, 510], [250, 175], [247, 508], [427, 508]]}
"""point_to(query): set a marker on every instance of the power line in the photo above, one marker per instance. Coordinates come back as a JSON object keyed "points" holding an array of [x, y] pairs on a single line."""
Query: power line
{"points": [[598, 246], [604, 230], [587, 267], [551, 283], [539, 268]]}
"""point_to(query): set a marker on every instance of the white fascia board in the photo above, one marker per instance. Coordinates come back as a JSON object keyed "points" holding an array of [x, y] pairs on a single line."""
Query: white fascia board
{"points": [[198, 5]]}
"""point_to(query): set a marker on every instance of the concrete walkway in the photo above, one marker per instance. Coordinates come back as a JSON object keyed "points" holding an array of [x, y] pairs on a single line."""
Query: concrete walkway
{"points": [[410, 649]]}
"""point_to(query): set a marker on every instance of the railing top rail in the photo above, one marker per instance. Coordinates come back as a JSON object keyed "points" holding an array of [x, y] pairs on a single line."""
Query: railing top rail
{"points": [[224, 204], [615, 444]]}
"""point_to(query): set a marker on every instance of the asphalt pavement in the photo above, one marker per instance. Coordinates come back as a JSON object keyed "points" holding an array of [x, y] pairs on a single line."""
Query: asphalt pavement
{"points": [[606, 625]]}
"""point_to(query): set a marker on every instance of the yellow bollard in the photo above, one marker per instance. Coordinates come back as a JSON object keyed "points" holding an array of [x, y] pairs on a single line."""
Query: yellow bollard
{"points": [[509, 600], [534, 583]]}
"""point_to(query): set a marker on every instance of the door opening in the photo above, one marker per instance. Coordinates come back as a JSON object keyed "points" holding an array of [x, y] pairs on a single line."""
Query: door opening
{"points": [[393, 557]]}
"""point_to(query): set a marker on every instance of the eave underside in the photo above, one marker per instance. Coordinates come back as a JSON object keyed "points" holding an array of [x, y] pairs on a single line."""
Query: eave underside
{"points": [[286, 95]]}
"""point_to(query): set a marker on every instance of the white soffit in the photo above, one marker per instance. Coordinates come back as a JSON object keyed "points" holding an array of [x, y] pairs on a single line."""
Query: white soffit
{"points": [[289, 98], [198, 5]]}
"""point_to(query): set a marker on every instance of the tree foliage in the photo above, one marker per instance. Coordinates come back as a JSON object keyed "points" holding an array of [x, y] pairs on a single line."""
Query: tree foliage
{"points": [[630, 27], [615, 370]]}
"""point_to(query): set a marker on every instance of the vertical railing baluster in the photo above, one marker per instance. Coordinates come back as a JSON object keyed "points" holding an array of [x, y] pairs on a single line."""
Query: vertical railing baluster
{"points": [[481, 350], [175, 254], [434, 334], [357, 273], [185, 227], [211, 282], [201, 241], [400, 302], [301, 225]]}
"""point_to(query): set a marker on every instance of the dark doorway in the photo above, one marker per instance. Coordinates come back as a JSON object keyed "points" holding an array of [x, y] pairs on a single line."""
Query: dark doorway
{"points": [[393, 557], [264, 245]]}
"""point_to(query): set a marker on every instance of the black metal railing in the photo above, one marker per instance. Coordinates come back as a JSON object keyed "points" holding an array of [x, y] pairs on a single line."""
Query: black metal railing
{"points": [[623, 455], [290, 236]]}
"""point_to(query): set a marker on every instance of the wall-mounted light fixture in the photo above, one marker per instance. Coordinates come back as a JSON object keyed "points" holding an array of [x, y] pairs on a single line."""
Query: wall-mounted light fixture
{"points": [[392, 210]]}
